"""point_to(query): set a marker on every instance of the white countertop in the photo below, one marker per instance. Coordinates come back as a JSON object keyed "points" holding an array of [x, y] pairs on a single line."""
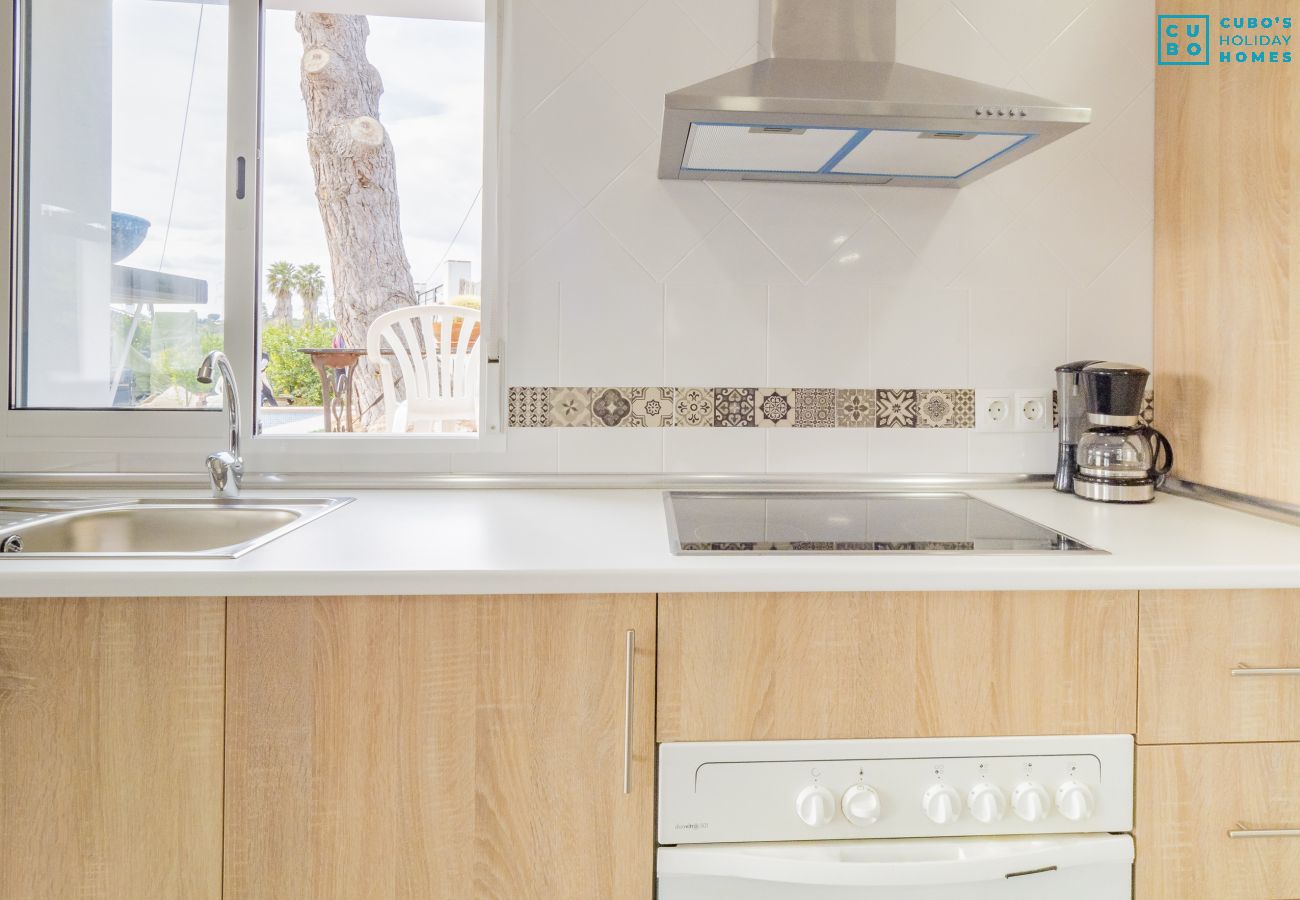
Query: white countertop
{"points": [[542, 541]]}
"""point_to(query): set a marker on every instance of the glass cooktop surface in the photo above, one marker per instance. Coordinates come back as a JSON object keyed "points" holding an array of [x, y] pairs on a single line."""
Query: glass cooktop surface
{"points": [[708, 523]]}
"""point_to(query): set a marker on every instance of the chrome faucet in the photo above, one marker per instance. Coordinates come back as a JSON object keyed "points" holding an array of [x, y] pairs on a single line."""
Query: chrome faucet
{"points": [[226, 467]]}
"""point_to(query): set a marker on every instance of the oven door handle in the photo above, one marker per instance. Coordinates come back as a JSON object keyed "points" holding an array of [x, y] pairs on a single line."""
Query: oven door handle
{"points": [[895, 863]]}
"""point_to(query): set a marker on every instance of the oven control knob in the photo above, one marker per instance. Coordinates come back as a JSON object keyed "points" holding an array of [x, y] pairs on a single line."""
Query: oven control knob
{"points": [[942, 804], [815, 805], [861, 804], [1074, 800], [987, 803], [1030, 801]]}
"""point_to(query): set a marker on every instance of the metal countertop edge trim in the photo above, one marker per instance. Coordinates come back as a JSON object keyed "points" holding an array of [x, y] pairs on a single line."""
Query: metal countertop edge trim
{"points": [[348, 481], [1256, 506]]}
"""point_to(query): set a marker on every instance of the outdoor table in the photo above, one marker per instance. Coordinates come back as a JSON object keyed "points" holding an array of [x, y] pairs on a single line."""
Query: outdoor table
{"points": [[337, 370]]}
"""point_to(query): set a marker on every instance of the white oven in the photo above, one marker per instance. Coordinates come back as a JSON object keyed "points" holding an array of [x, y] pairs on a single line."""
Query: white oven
{"points": [[926, 819]]}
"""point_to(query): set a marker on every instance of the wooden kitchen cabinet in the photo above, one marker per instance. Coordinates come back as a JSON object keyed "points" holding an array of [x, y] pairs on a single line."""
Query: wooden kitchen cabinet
{"points": [[1191, 643], [1188, 800], [440, 747], [791, 666], [110, 748], [1227, 263]]}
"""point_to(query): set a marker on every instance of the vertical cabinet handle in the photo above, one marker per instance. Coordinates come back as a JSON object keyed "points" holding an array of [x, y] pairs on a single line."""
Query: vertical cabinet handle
{"points": [[1241, 671], [629, 700]]}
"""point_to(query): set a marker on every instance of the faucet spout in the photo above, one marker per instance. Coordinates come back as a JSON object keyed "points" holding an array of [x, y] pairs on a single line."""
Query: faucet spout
{"points": [[225, 468]]}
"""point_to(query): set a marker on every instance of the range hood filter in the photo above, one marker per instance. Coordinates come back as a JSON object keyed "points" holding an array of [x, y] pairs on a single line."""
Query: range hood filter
{"points": [[776, 150]]}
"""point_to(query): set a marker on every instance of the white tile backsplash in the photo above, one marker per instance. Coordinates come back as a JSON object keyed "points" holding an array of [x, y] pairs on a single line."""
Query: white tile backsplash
{"points": [[611, 450], [609, 337], [892, 450], [1121, 294], [586, 133], [732, 253], [1017, 336], [716, 334], [1012, 453], [804, 225], [821, 286], [636, 65], [798, 451], [818, 337], [658, 222], [715, 450], [919, 338]]}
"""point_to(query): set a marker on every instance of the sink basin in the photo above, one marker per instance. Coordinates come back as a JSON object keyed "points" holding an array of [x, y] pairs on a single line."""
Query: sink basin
{"points": [[217, 529]]}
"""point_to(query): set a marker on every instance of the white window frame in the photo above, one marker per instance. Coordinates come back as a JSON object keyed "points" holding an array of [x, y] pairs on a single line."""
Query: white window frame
{"points": [[161, 440]]}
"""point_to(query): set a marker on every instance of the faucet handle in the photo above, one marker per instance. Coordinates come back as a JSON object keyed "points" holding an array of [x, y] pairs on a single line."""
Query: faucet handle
{"points": [[226, 474]]}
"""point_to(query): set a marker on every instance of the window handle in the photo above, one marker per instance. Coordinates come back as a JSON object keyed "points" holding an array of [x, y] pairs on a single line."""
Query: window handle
{"points": [[241, 167]]}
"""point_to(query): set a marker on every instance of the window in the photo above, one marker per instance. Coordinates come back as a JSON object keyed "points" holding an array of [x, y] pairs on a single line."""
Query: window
{"points": [[371, 184], [148, 232], [120, 210]]}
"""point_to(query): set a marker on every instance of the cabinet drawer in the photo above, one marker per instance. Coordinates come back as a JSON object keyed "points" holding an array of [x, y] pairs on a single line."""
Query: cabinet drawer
{"points": [[1191, 643], [795, 666], [1190, 798]]}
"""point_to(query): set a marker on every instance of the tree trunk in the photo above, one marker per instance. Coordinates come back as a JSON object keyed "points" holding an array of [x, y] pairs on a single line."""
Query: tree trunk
{"points": [[309, 314], [356, 182], [283, 312]]}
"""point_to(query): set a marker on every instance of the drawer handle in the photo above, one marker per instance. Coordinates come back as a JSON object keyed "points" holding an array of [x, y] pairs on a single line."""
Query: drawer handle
{"points": [[1242, 832], [628, 700], [1247, 670]]}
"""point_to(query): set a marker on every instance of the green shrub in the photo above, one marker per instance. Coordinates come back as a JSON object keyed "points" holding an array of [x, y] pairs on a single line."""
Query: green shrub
{"points": [[291, 373]]}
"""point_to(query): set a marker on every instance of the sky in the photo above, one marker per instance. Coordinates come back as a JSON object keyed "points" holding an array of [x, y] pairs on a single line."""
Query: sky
{"points": [[432, 108]]}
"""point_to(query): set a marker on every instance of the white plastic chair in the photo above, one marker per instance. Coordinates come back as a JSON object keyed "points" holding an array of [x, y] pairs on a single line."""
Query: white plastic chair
{"points": [[439, 379]]}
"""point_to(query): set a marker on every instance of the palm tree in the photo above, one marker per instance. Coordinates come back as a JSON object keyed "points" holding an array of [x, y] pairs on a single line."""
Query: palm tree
{"points": [[311, 284], [281, 280]]}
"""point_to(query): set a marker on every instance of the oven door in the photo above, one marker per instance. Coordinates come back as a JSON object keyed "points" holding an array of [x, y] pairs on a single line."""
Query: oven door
{"points": [[1064, 867]]}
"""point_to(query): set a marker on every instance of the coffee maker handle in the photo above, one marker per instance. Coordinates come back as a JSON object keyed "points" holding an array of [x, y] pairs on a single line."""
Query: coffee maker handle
{"points": [[1160, 446]]}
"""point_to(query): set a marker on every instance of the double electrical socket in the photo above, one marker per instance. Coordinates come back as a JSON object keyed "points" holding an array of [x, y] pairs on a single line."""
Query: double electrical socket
{"points": [[1013, 409]]}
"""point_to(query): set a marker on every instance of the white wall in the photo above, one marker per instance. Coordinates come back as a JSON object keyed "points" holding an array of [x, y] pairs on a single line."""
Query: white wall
{"points": [[617, 278]]}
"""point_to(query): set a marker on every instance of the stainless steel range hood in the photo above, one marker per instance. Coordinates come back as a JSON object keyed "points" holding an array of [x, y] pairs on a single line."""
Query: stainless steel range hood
{"points": [[832, 105]]}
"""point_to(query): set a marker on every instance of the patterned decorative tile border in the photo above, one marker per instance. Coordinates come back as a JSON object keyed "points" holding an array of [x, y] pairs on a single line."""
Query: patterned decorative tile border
{"points": [[727, 407], [740, 407]]}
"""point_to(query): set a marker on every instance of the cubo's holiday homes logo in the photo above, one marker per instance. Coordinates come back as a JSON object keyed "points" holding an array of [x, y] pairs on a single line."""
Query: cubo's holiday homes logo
{"points": [[1183, 40], [1188, 40]]}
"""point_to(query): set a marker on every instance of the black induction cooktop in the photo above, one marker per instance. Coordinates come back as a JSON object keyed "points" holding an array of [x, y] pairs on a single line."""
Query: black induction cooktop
{"points": [[852, 523]]}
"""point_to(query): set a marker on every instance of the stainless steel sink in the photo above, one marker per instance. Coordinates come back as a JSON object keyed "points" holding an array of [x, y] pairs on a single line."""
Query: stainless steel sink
{"points": [[187, 529]]}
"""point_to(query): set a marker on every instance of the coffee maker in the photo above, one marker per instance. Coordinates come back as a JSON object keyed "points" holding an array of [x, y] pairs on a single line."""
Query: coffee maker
{"points": [[1073, 416], [1120, 458]]}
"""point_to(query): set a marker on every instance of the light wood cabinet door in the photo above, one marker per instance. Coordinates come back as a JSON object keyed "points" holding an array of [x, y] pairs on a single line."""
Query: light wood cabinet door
{"points": [[439, 747], [791, 666], [1227, 260], [1190, 645], [110, 748], [1188, 800]]}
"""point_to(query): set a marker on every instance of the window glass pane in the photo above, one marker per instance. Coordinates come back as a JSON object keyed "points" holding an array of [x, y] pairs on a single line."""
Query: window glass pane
{"points": [[122, 202], [371, 196]]}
